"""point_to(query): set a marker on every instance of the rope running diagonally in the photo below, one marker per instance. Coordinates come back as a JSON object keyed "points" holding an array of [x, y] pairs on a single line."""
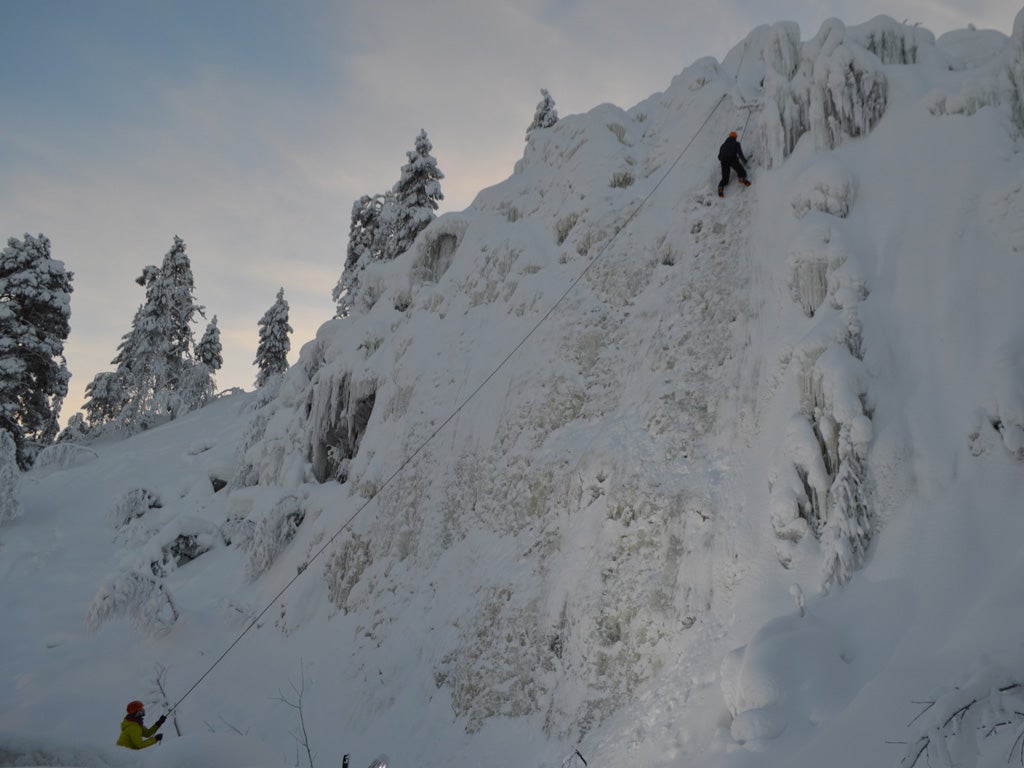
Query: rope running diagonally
{"points": [[454, 413]]}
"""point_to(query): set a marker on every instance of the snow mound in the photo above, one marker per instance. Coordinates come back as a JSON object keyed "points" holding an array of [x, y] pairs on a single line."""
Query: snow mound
{"points": [[825, 186], [791, 675], [222, 750], [63, 456], [18, 750]]}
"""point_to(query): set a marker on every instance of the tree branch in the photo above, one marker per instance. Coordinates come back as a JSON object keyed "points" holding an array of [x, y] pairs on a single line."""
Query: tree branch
{"points": [[296, 704]]}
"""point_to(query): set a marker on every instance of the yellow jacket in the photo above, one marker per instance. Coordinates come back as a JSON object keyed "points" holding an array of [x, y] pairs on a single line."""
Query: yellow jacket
{"points": [[135, 736]]}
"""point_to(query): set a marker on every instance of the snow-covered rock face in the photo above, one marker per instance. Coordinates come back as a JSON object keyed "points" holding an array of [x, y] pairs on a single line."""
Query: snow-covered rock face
{"points": [[993, 67], [560, 437], [579, 467], [834, 85], [527, 468], [830, 87]]}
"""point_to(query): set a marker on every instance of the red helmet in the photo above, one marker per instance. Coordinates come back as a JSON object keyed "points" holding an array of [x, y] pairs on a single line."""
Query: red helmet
{"points": [[732, 134], [136, 708]]}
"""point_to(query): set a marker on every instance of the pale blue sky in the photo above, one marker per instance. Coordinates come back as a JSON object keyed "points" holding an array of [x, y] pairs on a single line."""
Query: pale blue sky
{"points": [[248, 127]]}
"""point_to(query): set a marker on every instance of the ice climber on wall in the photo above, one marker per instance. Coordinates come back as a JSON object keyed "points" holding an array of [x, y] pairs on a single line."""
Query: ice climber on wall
{"points": [[134, 734], [730, 154]]}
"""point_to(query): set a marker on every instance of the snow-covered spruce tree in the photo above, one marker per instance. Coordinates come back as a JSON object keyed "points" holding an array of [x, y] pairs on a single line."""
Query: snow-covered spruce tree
{"points": [[850, 522], [198, 385], [111, 392], [209, 350], [362, 236], [415, 195], [77, 429], [545, 116], [104, 398], [155, 359], [35, 309], [274, 345], [10, 507], [384, 226]]}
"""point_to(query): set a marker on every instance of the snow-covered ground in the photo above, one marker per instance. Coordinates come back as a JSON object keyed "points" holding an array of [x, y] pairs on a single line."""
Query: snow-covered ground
{"points": [[746, 489]]}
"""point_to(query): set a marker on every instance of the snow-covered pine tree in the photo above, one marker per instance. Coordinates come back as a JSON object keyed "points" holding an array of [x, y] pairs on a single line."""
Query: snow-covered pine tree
{"points": [[10, 507], [272, 351], [175, 298], [415, 195], [35, 309], [104, 399], [385, 226], [362, 234], [545, 116], [198, 385], [850, 523], [385, 235], [155, 358], [209, 350], [134, 357], [77, 429]]}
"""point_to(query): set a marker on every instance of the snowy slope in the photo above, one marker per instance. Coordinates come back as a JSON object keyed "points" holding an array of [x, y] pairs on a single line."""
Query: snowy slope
{"points": [[603, 461]]}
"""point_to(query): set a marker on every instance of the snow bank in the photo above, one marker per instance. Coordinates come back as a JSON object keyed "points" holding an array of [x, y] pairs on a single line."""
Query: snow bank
{"points": [[791, 677], [825, 186], [48, 750], [221, 750]]}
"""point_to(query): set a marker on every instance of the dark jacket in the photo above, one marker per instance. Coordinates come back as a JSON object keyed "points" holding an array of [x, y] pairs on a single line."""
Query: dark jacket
{"points": [[731, 150]]}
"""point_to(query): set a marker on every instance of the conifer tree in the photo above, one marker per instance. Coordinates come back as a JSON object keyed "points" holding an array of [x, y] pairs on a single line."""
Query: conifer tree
{"points": [[155, 359], [104, 398], [384, 226], [274, 344], [35, 312], [156, 355], [77, 429], [362, 237], [415, 195], [209, 350], [199, 384], [545, 116]]}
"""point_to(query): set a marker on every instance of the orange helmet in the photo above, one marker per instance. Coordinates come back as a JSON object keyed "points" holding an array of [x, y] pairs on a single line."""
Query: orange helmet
{"points": [[732, 134], [136, 708]]}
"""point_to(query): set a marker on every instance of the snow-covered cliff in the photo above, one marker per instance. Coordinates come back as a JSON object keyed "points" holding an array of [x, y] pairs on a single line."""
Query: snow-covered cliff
{"points": [[606, 460]]}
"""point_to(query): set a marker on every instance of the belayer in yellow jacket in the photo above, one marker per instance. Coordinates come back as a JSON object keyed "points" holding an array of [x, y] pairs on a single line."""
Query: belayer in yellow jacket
{"points": [[134, 734]]}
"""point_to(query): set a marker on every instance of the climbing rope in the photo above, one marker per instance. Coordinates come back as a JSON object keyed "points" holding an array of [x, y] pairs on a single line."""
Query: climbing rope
{"points": [[736, 77], [454, 413]]}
